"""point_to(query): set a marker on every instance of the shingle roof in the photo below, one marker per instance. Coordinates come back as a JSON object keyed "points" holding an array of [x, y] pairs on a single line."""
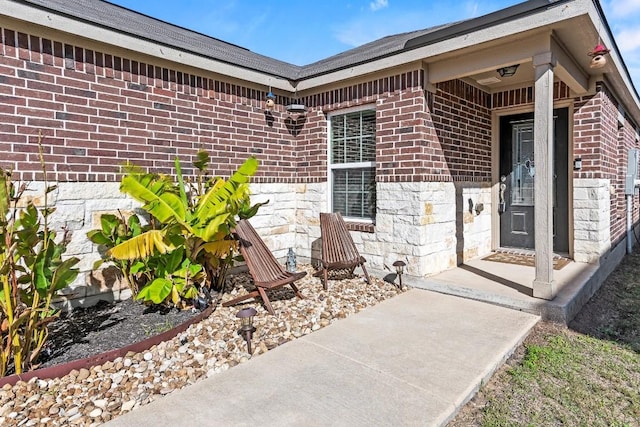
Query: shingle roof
{"points": [[376, 49], [118, 18]]}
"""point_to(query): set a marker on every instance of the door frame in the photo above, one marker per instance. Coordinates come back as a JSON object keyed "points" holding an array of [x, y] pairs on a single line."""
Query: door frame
{"points": [[495, 167]]}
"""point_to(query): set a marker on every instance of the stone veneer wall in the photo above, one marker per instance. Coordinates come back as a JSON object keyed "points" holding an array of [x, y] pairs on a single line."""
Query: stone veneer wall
{"points": [[591, 219], [473, 228], [78, 208], [602, 141], [416, 222]]}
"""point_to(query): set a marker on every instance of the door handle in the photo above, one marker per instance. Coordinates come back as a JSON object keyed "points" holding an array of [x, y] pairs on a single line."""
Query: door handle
{"points": [[502, 206]]}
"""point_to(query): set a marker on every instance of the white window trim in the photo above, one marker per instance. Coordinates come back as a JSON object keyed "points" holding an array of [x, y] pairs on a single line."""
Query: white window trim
{"points": [[330, 167]]}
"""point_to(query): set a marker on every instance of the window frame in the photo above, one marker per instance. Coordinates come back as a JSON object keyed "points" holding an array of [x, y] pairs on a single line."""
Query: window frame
{"points": [[342, 166]]}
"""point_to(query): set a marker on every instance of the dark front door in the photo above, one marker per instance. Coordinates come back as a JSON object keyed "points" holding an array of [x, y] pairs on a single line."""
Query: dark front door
{"points": [[517, 172]]}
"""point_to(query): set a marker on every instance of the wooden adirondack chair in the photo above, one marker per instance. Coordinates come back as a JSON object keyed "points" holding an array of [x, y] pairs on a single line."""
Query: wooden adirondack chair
{"points": [[338, 250], [266, 271]]}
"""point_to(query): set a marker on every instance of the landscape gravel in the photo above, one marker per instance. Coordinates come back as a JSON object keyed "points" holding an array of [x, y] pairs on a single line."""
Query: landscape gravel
{"points": [[90, 397]]}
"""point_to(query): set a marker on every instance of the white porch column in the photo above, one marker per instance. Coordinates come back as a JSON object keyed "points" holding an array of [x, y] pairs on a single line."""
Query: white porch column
{"points": [[543, 284]]}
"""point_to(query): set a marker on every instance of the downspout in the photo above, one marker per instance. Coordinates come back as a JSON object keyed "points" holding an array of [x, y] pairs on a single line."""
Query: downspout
{"points": [[629, 224], [630, 185]]}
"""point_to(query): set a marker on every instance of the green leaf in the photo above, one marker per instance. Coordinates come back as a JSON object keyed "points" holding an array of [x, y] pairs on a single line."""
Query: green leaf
{"points": [[134, 225], [174, 260], [250, 212], [65, 274], [220, 194], [42, 272], [4, 194], [98, 237], [108, 222], [165, 206], [213, 227], [137, 267], [202, 160], [183, 194], [190, 293], [156, 291]]}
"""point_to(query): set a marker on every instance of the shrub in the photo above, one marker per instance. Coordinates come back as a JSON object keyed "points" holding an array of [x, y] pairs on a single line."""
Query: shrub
{"points": [[32, 271], [189, 240]]}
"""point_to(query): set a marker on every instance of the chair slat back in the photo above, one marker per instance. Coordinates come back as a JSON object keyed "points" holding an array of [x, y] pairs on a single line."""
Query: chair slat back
{"points": [[264, 267], [337, 243]]}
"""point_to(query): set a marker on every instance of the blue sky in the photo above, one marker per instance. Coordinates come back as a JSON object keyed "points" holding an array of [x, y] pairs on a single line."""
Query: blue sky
{"points": [[301, 32]]}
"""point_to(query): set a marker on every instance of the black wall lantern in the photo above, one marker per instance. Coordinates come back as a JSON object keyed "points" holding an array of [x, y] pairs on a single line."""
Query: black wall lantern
{"points": [[508, 71]]}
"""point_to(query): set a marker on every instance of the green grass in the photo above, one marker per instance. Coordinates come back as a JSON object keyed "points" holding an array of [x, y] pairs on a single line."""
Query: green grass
{"points": [[572, 380], [585, 375]]}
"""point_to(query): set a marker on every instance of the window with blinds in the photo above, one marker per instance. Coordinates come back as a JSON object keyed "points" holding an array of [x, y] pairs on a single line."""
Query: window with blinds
{"points": [[352, 164]]}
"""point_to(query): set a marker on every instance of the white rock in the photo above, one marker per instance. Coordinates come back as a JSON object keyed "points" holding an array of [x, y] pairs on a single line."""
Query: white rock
{"points": [[73, 411], [100, 403], [95, 413], [127, 406], [116, 379]]}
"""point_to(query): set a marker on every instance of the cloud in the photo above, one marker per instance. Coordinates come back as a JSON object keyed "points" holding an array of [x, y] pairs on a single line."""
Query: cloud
{"points": [[378, 4], [623, 8], [628, 39], [357, 33], [471, 8]]}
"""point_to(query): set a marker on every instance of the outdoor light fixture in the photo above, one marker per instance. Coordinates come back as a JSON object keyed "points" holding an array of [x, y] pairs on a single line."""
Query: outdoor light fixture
{"points": [[296, 108], [291, 261], [271, 101], [508, 71], [246, 331], [399, 265], [577, 163]]}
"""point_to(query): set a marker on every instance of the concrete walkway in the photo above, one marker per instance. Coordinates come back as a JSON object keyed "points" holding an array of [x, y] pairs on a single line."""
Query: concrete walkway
{"points": [[412, 360]]}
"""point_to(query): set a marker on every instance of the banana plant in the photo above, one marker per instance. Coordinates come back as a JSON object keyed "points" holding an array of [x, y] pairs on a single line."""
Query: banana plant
{"points": [[201, 223], [176, 281], [115, 229]]}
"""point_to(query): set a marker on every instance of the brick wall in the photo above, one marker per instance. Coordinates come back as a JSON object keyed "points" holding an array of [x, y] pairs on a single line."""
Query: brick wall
{"points": [[97, 110], [439, 137], [603, 146], [404, 129], [462, 121]]}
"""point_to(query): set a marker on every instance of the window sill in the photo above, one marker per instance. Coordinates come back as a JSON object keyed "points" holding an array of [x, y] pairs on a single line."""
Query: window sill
{"points": [[365, 227]]}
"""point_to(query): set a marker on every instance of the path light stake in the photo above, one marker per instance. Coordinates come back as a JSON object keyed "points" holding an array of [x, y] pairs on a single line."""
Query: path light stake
{"points": [[399, 265], [247, 329]]}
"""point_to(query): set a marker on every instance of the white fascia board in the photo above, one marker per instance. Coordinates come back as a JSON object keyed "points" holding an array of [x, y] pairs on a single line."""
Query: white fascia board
{"points": [[530, 22], [105, 36]]}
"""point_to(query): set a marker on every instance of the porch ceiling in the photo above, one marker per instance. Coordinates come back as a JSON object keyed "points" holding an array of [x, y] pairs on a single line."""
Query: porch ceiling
{"points": [[569, 41]]}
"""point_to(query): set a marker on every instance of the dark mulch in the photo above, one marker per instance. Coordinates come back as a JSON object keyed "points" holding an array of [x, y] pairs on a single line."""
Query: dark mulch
{"points": [[106, 326]]}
